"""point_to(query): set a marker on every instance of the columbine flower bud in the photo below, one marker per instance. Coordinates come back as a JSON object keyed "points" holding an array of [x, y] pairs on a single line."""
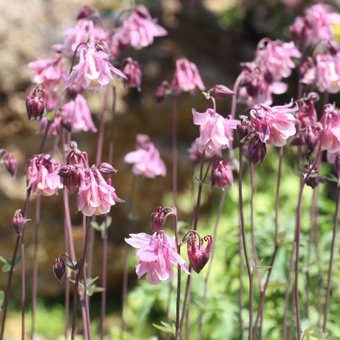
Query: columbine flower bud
{"points": [[133, 73], [70, 177], [59, 268], [314, 179], [243, 129], [313, 134], [85, 12], [10, 162], [18, 222], [221, 174], [161, 91], [35, 103], [256, 150], [222, 91], [198, 255], [159, 217], [106, 168]]}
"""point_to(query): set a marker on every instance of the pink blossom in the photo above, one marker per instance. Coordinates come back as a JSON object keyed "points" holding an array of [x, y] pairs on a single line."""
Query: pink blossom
{"points": [[48, 72], [95, 196], [138, 30], [258, 86], [83, 32], [331, 129], [42, 175], [273, 124], [146, 159], [77, 114], [186, 77], [215, 130], [133, 73], [328, 72], [157, 256], [93, 71], [276, 57], [195, 155]]}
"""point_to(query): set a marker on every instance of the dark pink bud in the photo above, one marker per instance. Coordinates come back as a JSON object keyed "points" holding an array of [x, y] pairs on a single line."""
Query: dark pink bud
{"points": [[159, 217], [314, 179], [161, 91], [222, 91], [85, 12], [10, 162], [70, 177], [256, 150], [198, 255], [221, 174], [73, 90], [313, 134], [106, 168], [18, 222], [59, 268], [133, 73], [35, 103], [76, 157], [243, 129]]}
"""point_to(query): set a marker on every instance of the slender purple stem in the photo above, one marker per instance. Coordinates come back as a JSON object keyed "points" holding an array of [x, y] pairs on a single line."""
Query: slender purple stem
{"points": [[35, 263], [330, 267], [178, 294], [174, 151]]}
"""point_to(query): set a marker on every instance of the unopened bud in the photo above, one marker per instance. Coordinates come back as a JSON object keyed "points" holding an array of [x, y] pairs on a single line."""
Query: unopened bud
{"points": [[106, 168], [10, 162], [161, 92], [59, 268], [199, 255], [313, 134], [221, 174], [242, 129], [222, 91], [35, 103], [159, 217], [70, 177], [85, 12], [18, 222], [133, 73], [314, 180], [256, 150]]}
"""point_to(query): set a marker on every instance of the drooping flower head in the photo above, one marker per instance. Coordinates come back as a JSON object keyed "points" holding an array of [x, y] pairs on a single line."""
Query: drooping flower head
{"points": [[273, 124], [186, 77], [77, 115], [159, 217], [327, 72], [157, 256], [94, 70], [138, 30], [197, 253], [146, 159], [215, 130], [42, 175], [133, 74], [96, 195], [9, 160], [36, 102], [331, 128], [221, 174]]}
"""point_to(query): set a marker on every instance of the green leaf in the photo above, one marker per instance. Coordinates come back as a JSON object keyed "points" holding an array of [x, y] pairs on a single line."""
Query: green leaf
{"points": [[49, 116], [166, 328], [3, 259], [7, 266], [2, 298], [282, 235]]}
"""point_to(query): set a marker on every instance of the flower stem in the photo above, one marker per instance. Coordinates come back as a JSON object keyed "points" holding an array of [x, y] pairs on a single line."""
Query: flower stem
{"points": [[178, 294], [174, 151]]}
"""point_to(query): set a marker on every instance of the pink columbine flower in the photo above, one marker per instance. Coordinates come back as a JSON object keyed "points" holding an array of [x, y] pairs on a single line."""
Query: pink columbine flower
{"points": [[157, 256], [133, 74], [138, 30], [77, 115], [215, 130], [328, 72], [197, 253], [146, 159], [273, 124], [331, 128], [42, 175], [83, 32], [93, 71], [48, 72], [276, 57], [258, 86], [95, 196], [186, 77], [221, 174]]}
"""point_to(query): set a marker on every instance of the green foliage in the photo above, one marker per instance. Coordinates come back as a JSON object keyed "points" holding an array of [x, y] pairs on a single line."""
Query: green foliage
{"points": [[2, 298], [7, 264]]}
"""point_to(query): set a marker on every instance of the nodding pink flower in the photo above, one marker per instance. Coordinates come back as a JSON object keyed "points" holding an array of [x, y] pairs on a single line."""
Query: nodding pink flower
{"points": [[221, 174], [139, 29], [83, 32], [258, 86], [77, 115], [215, 130], [42, 175], [93, 71], [59, 268], [159, 217], [76, 157], [195, 154], [70, 177], [48, 72], [198, 255], [9, 160], [95, 196], [133, 74], [314, 26], [273, 124], [36, 102], [276, 57], [331, 128], [186, 77], [18, 222], [256, 150], [157, 256], [146, 159], [328, 72]]}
